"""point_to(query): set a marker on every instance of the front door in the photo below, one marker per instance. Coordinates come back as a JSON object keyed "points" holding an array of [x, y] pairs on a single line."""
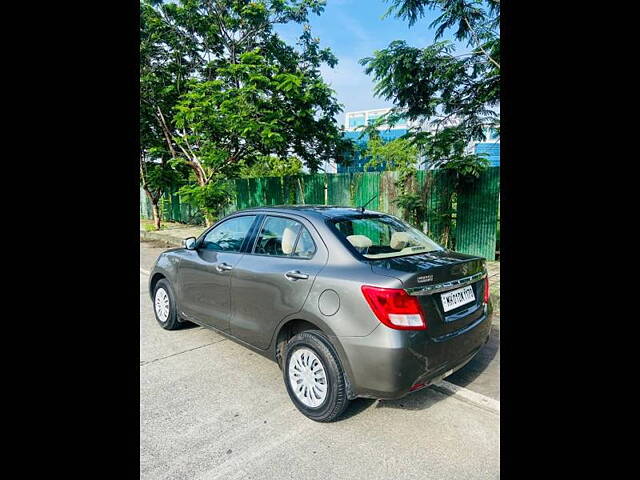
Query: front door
{"points": [[273, 279], [205, 273]]}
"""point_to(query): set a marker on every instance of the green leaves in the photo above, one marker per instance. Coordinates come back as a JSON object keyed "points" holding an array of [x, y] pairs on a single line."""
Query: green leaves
{"points": [[221, 91], [272, 166], [399, 154], [211, 197], [288, 82], [450, 97]]}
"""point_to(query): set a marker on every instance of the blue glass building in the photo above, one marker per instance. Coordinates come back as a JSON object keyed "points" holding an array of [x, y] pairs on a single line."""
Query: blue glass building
{"points": [[355, 120], [352, 124], [358, 162], [491, 147], [492, 150]]}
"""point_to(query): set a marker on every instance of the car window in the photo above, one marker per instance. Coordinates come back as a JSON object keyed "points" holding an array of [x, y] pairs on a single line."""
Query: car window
{"points": [[384, 237], [305, 248], [229, 235], [277, 236]]}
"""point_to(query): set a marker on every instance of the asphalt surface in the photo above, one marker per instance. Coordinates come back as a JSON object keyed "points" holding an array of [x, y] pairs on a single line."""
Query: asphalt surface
{"points": [[212, 409]]}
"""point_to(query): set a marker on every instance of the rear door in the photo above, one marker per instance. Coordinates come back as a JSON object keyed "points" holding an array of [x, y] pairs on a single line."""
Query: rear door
{"points": [[205, 273], [274, 278]]}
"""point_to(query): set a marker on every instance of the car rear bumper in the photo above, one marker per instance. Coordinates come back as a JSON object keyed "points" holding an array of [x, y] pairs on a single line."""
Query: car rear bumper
{"points": [[387, 363]]}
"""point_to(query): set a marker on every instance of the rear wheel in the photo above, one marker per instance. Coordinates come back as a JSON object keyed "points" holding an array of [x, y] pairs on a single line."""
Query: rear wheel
{"points": [[314, 377], [164, 306]]}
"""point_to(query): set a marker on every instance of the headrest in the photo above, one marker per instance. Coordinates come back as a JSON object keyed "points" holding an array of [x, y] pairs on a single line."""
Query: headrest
{"points": [[399, 240], [360, 241], [288, 239]]}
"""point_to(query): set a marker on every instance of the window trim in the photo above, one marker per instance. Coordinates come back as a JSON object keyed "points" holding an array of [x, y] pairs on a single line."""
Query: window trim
{"points": [[251, 250]]}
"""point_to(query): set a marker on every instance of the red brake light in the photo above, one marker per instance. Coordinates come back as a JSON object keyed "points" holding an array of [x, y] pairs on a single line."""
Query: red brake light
{"points": [[395, 308], [486, 290]]}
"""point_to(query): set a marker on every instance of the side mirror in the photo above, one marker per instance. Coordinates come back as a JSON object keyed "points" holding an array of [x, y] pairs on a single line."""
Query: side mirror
{"points": [[189, 243]]}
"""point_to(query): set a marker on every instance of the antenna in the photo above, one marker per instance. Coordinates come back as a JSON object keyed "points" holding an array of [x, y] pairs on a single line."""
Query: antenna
{"points": [[370, 200]]}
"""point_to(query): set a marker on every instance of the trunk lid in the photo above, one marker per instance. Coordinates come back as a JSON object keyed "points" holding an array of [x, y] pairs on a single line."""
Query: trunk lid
{"points": [[433, 274]]}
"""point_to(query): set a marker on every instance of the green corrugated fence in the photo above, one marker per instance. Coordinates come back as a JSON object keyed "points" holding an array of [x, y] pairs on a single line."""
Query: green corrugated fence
{"points": [[465, 218], [477, 214]]}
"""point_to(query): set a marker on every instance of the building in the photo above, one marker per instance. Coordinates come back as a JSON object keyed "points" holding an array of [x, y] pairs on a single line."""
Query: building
{"points": [[355, 121], [353, 124], [490, 147]]}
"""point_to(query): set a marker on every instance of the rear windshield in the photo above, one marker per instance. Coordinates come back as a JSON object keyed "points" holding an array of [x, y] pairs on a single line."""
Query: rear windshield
{"points": [[384, 237]]}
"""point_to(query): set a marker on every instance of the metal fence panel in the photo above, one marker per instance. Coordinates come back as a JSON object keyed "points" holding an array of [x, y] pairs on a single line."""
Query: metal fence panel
{"points": [[389, 193], [339, 189], [477, 214], [256, 192], [145, 206], [290, 189], [367, 190], [242, 193], [470, 212], [314, 189], [440, 188], [274, 193]]}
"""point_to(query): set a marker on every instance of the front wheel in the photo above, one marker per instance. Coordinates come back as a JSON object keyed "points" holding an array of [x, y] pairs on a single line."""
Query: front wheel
{"points": [[164, 306], [314, 377]]}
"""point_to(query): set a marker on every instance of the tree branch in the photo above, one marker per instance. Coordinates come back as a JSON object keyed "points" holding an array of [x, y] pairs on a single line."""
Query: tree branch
{"points": [[166, 132], [479, 44]]}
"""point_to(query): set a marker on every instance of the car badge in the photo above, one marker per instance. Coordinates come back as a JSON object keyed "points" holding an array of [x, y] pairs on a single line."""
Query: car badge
{"points": [[461, 269], [425, 278]]}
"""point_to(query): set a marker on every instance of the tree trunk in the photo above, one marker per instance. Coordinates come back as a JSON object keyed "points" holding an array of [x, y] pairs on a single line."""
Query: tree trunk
{"points": [[154, 208], [156, 215], [202, 181]]}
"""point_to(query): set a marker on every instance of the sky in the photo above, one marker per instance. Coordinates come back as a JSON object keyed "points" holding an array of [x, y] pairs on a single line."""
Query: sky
{"points": [[353, 29]]}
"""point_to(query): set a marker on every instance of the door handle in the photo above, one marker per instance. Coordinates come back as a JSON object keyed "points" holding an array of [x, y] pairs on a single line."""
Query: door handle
{"points": [[296, 275], [222, 267]]}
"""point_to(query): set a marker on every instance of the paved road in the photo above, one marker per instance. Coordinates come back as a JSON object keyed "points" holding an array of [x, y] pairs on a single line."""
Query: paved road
{"points": [[211, 409]]}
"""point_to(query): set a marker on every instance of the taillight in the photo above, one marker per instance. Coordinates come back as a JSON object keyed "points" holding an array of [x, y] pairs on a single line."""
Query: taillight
{"points": [[486, 290], [395, 308]]}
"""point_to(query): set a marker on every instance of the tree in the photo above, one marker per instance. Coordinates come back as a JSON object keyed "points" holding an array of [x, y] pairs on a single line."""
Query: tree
{"points": [[272, 166], [166, 61], [398, 154], [251, 95], [452, 98]]}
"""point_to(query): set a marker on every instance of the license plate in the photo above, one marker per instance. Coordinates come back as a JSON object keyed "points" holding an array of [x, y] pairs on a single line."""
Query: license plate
{"points": [[455, 298]]}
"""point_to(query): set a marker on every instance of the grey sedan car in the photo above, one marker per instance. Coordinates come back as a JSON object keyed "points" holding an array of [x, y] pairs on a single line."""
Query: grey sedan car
{"points": [[349, 302]]}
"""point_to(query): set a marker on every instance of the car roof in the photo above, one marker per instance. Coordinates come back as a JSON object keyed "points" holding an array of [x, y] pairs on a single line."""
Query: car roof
{"points": [[328, 211]]}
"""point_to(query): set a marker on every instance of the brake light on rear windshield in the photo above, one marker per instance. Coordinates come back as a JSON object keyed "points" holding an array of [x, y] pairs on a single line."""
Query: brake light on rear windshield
{"points": [[395, 308]]}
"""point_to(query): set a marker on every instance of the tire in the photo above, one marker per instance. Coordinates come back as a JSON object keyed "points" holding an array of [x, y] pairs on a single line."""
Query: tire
{"points": [[310, 354], [167, 319]]}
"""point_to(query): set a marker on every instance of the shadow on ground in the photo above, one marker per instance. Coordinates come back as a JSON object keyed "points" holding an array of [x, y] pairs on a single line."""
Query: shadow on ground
{"points": [[423, 399], [476, 367], [186, 325], [420, 400]]}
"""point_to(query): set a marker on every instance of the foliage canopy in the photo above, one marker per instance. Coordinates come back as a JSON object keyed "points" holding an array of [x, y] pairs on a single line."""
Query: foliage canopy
{"points": [[451, 98], [227, 92]]}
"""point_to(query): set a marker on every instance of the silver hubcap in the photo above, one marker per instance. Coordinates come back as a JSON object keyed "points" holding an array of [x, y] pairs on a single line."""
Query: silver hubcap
{"points": [[307, 377], [162, 304]]}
